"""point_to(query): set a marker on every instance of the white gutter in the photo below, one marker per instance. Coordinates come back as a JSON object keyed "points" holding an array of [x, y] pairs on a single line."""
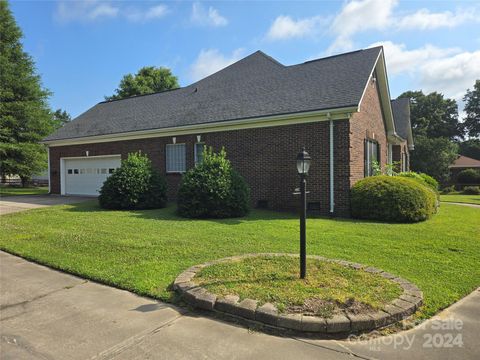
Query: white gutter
{"points": [[48, 169], [332, 177]]}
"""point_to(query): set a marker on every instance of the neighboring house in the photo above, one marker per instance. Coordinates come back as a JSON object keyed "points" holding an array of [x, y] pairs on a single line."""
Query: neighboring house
{"points": [[463, 163], [262, 112]]}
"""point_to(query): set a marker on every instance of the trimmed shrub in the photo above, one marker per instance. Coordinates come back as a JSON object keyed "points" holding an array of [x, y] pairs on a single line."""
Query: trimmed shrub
{"points": [[469, 176], [135, 185], [448, 189], [430, 181], [393, 199], [213, 189], [421, 178], [471, 190]]}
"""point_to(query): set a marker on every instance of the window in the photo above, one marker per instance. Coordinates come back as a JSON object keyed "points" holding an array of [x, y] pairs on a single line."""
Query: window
{"points": [[70, 171], [199, 152], [75, 171], [175, 158], [103, 171], [372, 151], [110, 171]]}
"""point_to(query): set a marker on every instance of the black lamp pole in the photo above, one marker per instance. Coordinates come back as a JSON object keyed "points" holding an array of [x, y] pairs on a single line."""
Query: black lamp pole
{"points": [[303, 165], [303, 217]]}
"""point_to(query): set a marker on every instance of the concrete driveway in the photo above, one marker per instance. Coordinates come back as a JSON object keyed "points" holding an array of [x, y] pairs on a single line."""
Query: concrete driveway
{"points": [[11, 204], [47, 314]]}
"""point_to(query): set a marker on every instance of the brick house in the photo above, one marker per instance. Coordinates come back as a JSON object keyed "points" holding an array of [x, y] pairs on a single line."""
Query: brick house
{"points": [[262, 112]]}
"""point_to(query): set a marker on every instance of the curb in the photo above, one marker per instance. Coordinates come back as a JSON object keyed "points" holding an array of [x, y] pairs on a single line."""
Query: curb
{"points": [[397, 310]]}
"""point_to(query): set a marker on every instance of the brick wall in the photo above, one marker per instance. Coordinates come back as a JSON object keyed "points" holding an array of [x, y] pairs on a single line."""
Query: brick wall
{"points": [[397, 151], [264, 156], [368, 123]]}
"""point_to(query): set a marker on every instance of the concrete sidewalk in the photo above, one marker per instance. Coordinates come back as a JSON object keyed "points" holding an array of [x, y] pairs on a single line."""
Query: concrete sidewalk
{"points": [[47, 314]]}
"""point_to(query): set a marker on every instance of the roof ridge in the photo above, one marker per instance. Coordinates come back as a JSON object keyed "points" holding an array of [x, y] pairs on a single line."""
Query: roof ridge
{"points": [[136, 96], [338, 55]]}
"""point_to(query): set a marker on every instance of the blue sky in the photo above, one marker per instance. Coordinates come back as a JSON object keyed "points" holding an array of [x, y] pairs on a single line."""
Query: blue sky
{"points": [[83, 48]]}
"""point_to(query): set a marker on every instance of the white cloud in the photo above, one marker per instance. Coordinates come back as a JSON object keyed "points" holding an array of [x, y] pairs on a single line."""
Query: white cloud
{"points": [[401, 60], [449, 71], [87, 10], [284, 27], [91, 10], [423, 19], [357, 16], [210, 61], [452, 75], [138, 15], [204, 17]]}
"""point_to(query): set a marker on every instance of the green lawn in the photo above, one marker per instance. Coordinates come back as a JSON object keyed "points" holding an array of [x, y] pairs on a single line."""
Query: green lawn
{"points": [[143, 251], [327, 288], [468, 199], [9, 190]]}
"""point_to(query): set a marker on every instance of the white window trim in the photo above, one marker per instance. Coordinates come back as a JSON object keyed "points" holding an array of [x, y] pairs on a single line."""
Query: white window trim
{"points": [[195, 151], [166, 160]]}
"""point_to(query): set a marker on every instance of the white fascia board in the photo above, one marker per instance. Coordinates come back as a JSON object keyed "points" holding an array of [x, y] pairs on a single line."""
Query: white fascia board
{"points": [[270, 121], [382, 81]]}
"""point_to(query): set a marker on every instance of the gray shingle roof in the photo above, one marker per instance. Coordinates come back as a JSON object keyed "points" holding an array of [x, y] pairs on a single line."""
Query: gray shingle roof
{"points": [[401, 116], [255, 86]]}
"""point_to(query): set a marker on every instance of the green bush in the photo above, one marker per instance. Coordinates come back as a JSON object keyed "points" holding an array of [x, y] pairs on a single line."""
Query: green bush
{"points": [[213, 189], [471, 190], [393, 199], [448, 189], [421, 178], [430, 181], [469, 176], [135, 185]]}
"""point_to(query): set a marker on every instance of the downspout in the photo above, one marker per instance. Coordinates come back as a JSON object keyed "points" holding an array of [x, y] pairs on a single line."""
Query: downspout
{"points": [[332, 177], [48, 169]]}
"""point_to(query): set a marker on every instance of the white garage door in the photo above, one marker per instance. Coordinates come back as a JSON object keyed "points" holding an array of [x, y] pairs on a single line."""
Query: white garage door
{"points": [[85, 176]]}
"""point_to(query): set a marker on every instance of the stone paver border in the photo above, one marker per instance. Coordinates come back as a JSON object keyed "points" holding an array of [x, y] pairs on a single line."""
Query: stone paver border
{"points": [[399, 309]]}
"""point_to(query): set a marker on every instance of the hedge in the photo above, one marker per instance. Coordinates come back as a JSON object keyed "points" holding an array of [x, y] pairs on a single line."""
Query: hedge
{"points": [[213, 189], [392, 199], [135, 185]]}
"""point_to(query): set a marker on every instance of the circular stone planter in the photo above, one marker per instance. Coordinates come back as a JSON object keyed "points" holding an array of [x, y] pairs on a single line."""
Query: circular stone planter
{"points": [[399, 309]]}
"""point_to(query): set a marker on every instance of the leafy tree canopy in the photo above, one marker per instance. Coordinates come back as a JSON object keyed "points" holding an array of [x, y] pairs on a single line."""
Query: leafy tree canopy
{"points": [[433, 156], [25, 117], [434, 116], [60, 118], [147, 80], [470, 148], [472, 109]]}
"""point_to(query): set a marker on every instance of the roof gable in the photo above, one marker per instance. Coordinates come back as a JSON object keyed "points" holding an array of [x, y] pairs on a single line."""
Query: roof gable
{"points": [[254, 87]]}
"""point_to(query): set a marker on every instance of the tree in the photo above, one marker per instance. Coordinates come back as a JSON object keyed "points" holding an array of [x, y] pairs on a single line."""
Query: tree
{"points": [[434, 116], [147, 80], [25, 117], [433, 156], [472, 109], [60, 118], [470, 148]]}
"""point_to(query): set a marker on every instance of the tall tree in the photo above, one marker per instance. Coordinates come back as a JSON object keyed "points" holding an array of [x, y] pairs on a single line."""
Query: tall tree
{"points": [[470, 148], [472, 109], [434, 116], [147, 80], [60, 118], [433, 156], [25, 117]]}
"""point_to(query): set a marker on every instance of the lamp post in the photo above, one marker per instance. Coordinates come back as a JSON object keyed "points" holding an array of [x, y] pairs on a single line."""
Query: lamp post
{"points": [[303, 165]]}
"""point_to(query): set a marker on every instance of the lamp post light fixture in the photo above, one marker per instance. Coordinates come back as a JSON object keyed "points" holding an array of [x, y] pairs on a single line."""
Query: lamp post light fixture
{"points": [[303, 165]]}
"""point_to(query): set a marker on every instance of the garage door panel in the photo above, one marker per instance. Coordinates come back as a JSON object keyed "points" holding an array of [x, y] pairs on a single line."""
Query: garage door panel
{"points": [[85, 176]]}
